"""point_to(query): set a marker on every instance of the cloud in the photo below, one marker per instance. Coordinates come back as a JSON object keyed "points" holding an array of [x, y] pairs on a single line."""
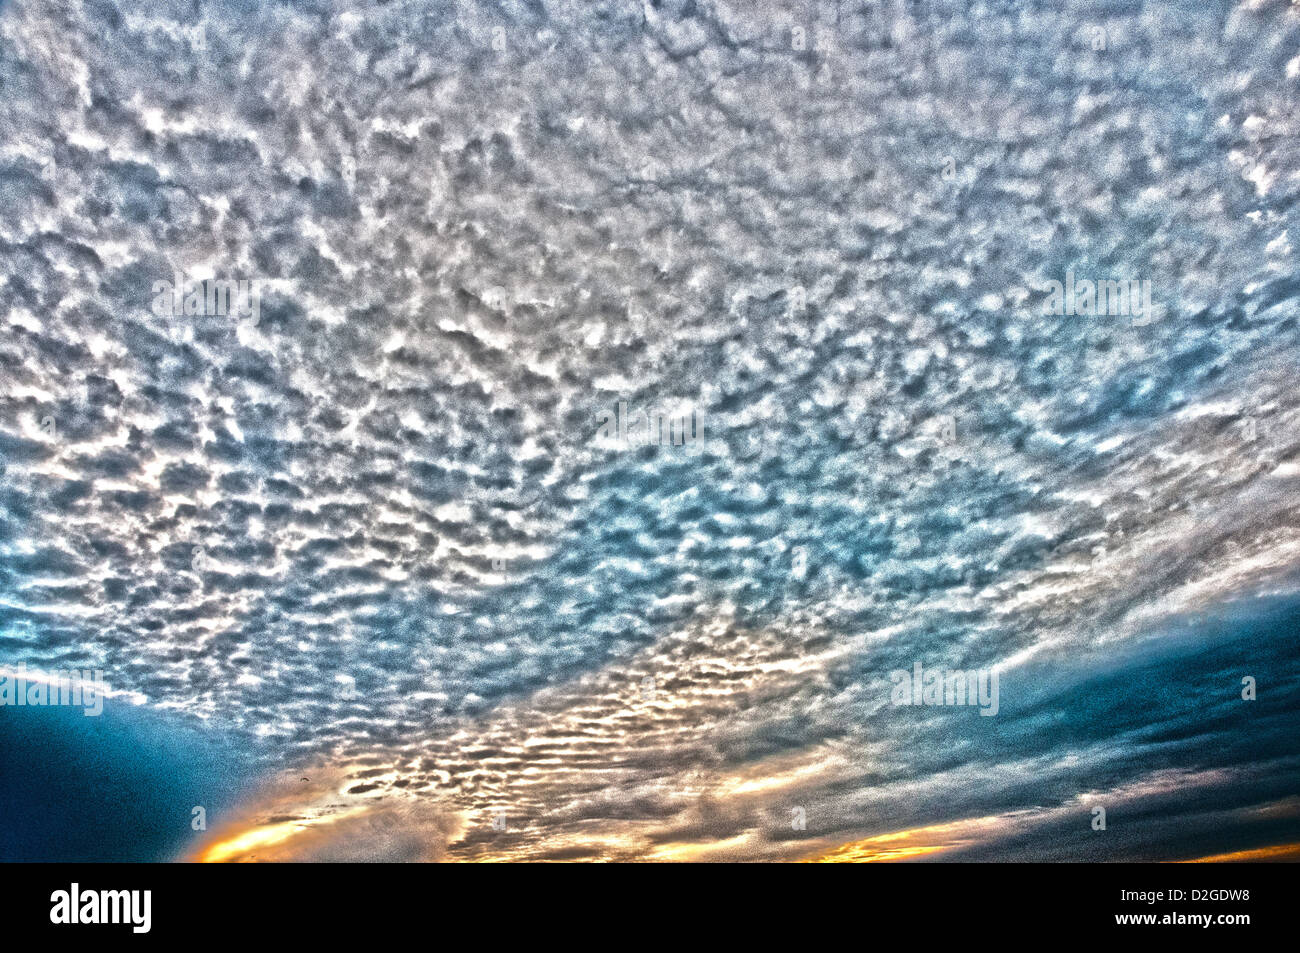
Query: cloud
{"points": [[374, 533]]}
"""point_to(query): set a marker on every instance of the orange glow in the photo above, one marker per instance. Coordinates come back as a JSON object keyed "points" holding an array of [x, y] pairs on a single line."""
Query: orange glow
{"points": [[1278, 852], [907, 844], [241, 846]]}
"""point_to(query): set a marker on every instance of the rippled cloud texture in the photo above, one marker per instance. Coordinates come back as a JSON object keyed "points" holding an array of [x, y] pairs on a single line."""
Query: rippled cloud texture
{"points": [[382, 542]]}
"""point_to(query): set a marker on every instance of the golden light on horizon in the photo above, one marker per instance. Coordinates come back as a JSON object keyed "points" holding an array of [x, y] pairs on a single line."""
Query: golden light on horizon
{"points": [[1278, 852], [240, 846], [907, 844]]}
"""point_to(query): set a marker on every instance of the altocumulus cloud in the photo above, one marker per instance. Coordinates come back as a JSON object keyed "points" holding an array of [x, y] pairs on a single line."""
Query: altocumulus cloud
{"points": [[371, 541]]}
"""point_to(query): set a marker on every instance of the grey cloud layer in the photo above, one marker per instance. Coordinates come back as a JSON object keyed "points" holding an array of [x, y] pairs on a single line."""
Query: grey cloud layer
{"points": [[644, 185]]}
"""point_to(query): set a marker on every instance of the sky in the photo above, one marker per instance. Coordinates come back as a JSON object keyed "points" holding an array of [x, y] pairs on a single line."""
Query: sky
{"points": [[379, 567]]}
